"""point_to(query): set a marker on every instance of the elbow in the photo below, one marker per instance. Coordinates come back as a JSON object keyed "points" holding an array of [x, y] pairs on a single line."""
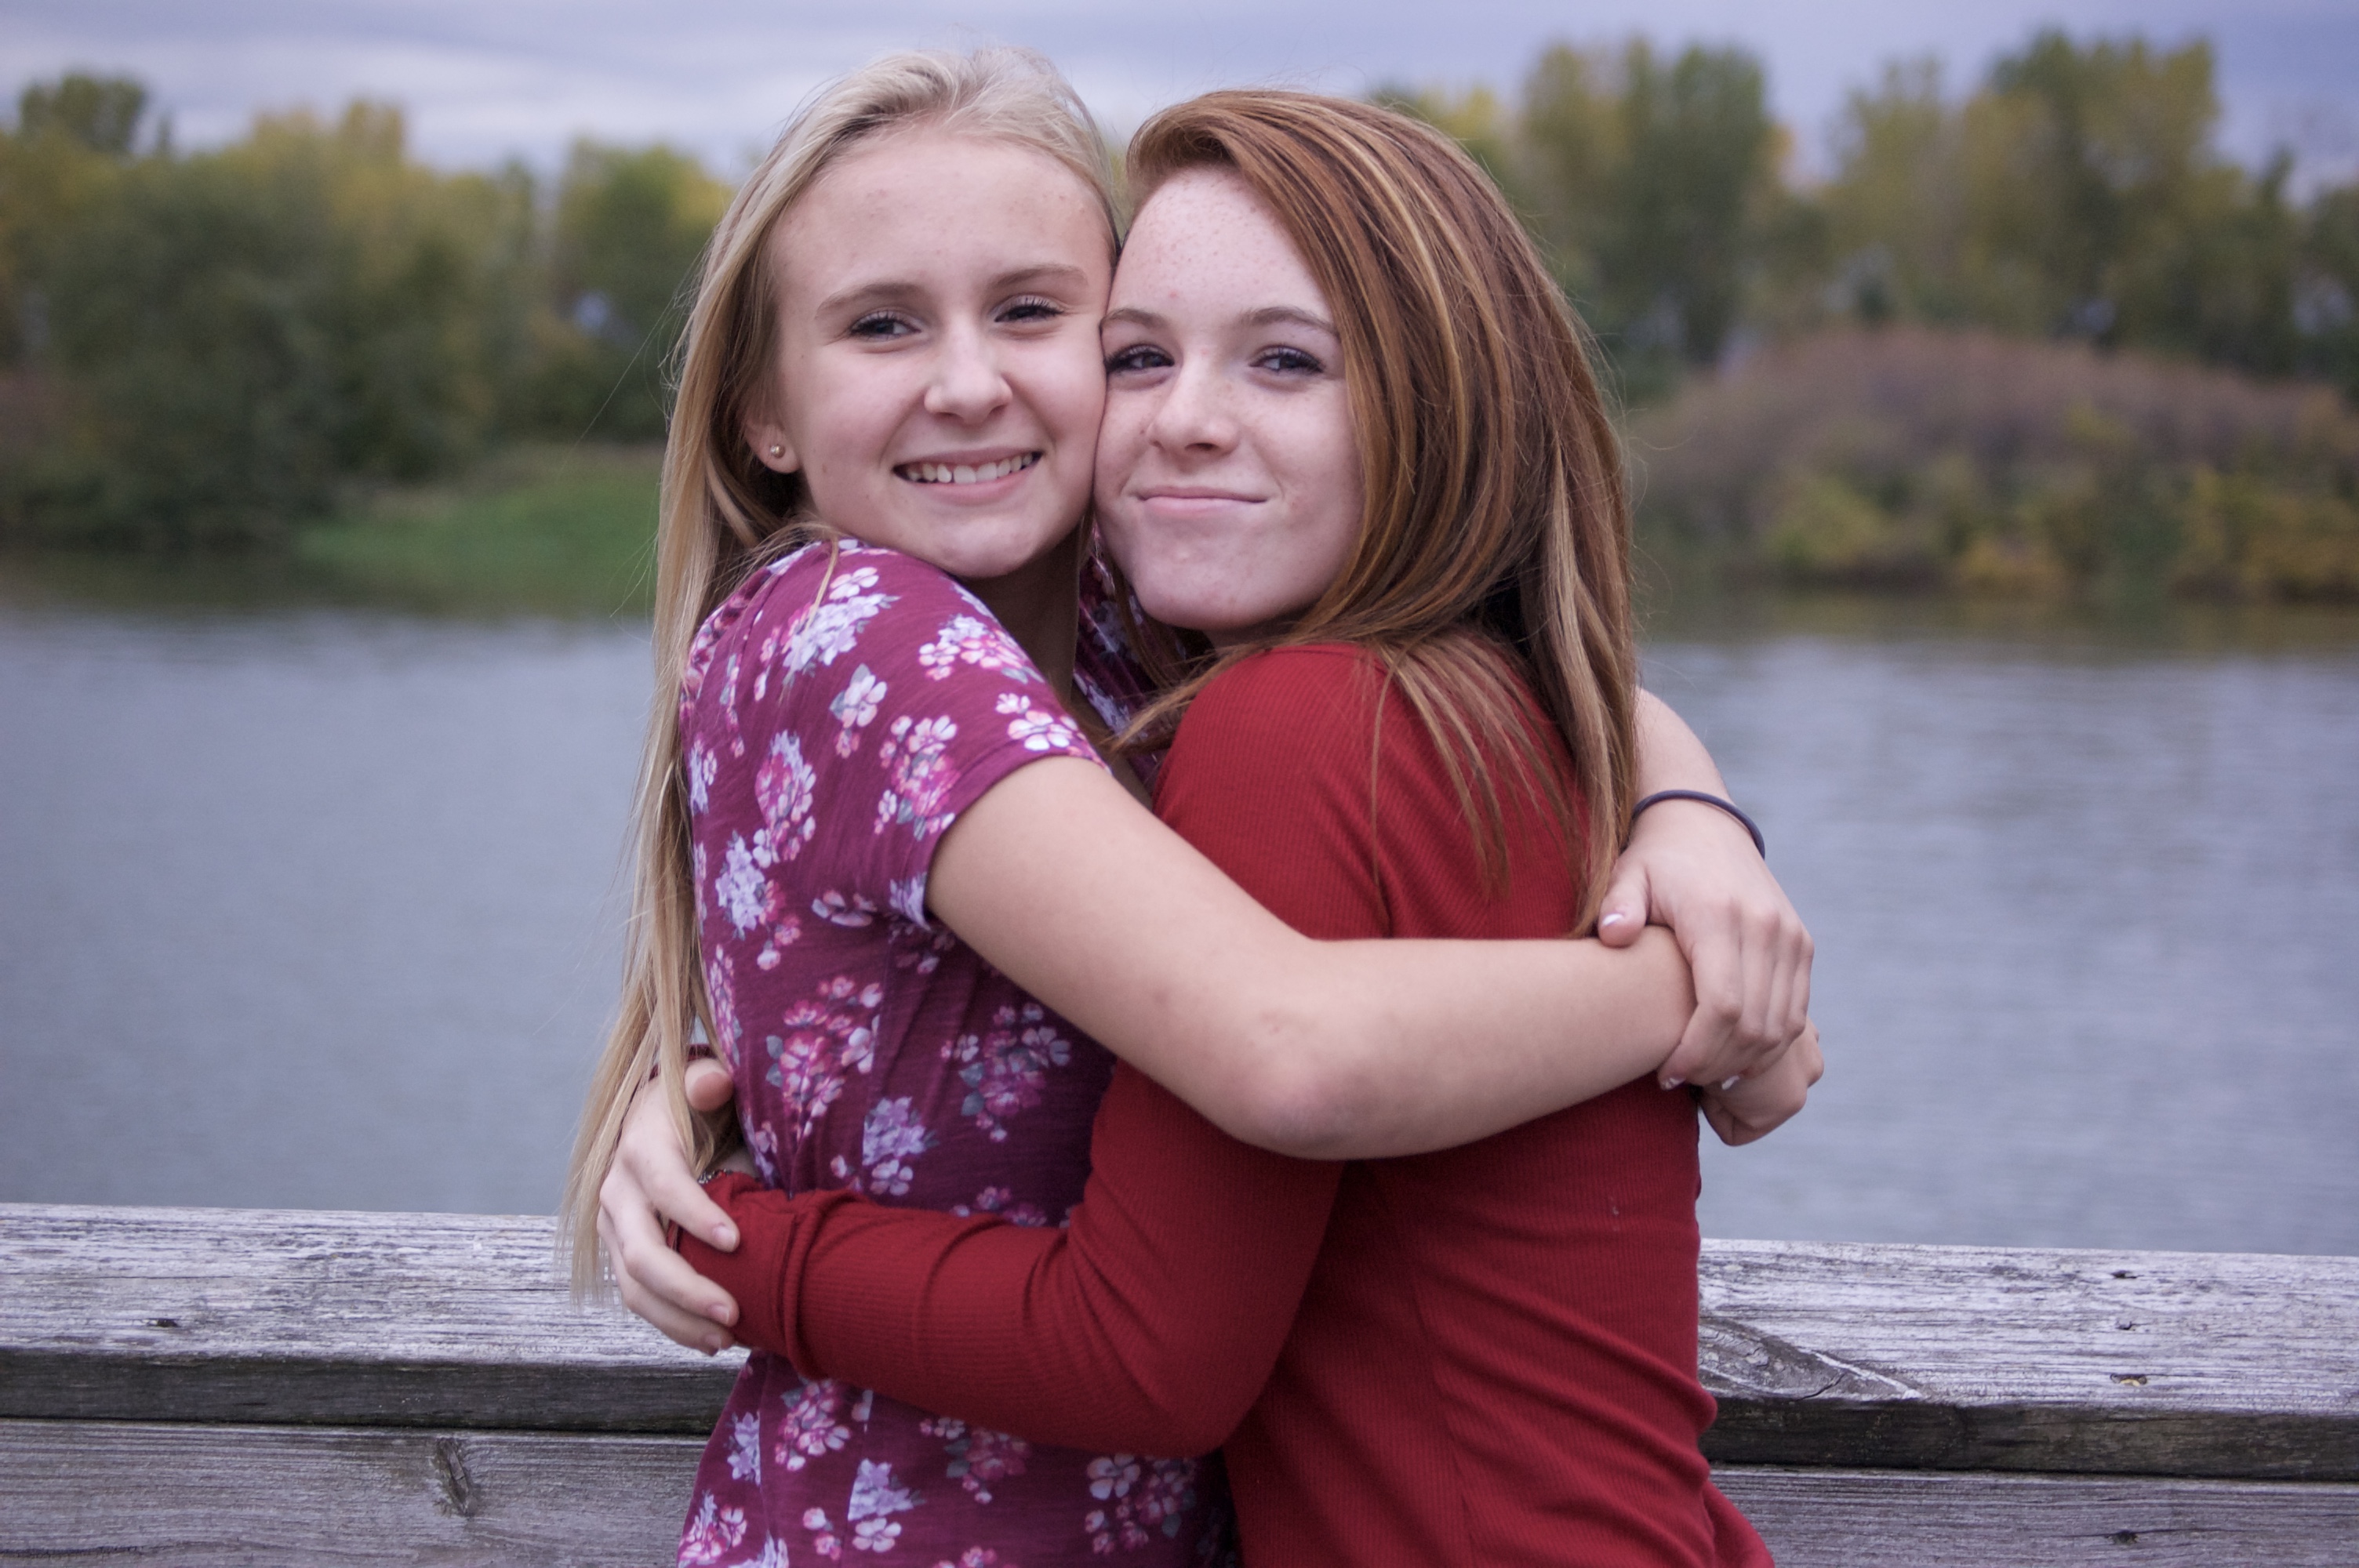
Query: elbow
{"points": [[1303, 1096]]}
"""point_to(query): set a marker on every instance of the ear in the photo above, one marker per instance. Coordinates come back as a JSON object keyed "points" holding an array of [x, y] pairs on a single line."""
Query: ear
{"points": [[773, 448]]}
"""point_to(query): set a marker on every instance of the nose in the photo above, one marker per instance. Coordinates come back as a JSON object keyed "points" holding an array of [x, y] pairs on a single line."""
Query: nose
{"points": [[1195, 416], [967, 385]]}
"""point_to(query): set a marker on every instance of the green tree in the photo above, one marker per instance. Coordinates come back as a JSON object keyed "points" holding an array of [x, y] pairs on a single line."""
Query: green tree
{"points": [[628, 228]]}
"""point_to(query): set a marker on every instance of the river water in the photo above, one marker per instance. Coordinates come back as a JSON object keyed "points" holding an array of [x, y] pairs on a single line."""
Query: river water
{"points": [[306, 906]]}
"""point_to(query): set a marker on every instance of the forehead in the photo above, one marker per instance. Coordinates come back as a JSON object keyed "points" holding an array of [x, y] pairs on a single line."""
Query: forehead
{"points": [[1207, 235], [929, 204]]}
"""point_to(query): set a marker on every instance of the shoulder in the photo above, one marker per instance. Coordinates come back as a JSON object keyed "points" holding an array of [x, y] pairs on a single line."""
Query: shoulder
{"points": [[1299, 696]]}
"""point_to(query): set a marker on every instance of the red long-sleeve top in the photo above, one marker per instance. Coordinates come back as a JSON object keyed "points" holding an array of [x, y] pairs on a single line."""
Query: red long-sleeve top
{"points": [[1485, 1356]]}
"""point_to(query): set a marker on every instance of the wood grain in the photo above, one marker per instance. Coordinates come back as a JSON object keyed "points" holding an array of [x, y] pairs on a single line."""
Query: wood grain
{"points": [[1865, 1357], [1962, 1357], [198, 1495], [1930, 1519]]}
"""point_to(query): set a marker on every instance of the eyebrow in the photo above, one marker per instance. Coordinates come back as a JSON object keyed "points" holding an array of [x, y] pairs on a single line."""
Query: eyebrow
{"points": [[1267, 315], [893, 288]]}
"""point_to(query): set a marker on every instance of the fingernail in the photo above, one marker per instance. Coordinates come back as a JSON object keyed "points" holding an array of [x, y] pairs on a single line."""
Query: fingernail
{"points": [[1673, 1083], [724, 1236], [718, 1314], [1616, 918], [1727, 1084], [715, 1346]]}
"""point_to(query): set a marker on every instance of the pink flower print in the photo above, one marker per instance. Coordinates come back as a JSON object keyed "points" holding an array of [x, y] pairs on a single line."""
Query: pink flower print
{"points": [[917, 750], [907, 898], [927, 956], [965, 640], [702, 768], [1169, 1493], [1117, 713], [785, 933], [1036, 728], [839, 910], [1004, 1069], [711, 1532], [875, 1498], [978, 1456], [1001, 1201], [721, 996], [975, 1557], [825, 1039], [812, 1424], [856, 708], [824, 1539], [746, 1448], [784, 786], [890, 1141], [763, 1144], [828, 629], [747, 897]]}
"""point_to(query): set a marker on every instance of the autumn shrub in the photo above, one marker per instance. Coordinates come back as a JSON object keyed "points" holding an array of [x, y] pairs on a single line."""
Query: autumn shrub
{"points": [[1967, 461]]}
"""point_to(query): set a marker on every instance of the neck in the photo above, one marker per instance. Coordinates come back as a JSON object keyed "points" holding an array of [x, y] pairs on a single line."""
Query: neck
{"points": [[1040, 603]]}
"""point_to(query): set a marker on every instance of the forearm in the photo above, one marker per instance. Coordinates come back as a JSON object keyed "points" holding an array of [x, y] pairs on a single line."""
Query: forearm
{"points": [[1148, 1325], [1319, 1050]]}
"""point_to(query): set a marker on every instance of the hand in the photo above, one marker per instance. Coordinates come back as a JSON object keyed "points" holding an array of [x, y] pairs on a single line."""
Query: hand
{"points": [[1693, 868], [1766, 1101], [651, 1182]]}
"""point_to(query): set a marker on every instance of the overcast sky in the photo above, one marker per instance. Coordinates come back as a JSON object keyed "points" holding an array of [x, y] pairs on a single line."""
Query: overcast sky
{"points": [[485, 79]]}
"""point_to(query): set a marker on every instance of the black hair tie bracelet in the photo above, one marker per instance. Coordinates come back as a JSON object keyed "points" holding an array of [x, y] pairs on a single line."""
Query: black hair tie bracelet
{"points": [[1728, 806]]}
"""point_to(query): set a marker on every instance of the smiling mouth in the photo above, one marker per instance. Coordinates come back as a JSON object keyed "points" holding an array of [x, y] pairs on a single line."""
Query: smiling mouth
{"points": [[966, 474]]}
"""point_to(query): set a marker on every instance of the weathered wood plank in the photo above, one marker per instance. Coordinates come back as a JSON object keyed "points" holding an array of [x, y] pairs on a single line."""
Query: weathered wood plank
{"points": [[1934, 1519], [1831, 1354], [371, 1319], [1958, 1357], [98, 1492], [194, 1497]]}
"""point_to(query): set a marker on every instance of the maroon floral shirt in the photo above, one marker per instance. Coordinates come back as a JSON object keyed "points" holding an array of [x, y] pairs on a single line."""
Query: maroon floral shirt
{"points": [[839, 711]]}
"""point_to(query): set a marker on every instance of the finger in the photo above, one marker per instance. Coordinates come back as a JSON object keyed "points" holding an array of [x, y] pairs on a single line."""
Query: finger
{"points": [[709, 1087], [632, 1266], [1622, 913], [642, 1258], [651, 1159], [1714, 969]]}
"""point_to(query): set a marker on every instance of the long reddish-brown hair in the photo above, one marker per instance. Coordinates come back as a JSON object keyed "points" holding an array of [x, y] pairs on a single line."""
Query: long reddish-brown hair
{"points": [[1495, 537]]}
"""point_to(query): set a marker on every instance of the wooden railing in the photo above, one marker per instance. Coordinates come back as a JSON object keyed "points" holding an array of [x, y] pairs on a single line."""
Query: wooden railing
{"points": [[192, 1387]]}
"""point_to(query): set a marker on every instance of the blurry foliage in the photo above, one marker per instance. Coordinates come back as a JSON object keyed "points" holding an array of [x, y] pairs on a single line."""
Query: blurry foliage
{"points": [[2076, 194], [210, 347], [1912, 456]]}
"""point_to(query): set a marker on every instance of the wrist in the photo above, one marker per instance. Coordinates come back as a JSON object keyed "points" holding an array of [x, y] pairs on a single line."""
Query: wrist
{"points": [[1696, 810]]}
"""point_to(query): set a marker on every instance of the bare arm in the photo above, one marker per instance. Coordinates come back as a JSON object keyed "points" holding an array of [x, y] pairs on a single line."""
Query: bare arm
{"points": [[1693, 867], [1321, 1050]]}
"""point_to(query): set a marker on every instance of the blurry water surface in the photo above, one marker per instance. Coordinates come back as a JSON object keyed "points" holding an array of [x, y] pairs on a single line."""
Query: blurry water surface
{"points": [[320, 907]]}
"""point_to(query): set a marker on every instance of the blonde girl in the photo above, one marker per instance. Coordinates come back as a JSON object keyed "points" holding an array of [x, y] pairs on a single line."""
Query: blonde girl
{"points": [[877, 847]]}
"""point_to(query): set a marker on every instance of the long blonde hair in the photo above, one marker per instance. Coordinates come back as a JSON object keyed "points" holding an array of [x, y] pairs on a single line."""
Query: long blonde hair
{"points": [[1495, 533], [723, 512]]}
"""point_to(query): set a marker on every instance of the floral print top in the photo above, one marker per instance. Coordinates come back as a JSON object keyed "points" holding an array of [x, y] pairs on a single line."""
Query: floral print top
{"points": [[838, 712]]}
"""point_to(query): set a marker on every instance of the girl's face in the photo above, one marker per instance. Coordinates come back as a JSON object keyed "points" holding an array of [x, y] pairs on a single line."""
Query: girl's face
{"points": [[938, 380], [1228, 472]]}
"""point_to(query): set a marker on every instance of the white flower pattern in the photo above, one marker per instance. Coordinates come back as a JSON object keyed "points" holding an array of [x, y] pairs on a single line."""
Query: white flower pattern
{"points": [[834, 709]]}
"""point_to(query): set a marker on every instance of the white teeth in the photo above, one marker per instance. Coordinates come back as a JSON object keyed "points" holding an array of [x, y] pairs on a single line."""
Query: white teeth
{"points": [[967, 473]]}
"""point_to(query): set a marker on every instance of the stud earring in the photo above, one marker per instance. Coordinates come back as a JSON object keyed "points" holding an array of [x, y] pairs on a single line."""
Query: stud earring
{"points": [[777, 450]]}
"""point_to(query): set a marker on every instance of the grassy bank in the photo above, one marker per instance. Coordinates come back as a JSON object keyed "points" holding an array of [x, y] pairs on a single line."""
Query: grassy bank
{"points": [[565, 531]]}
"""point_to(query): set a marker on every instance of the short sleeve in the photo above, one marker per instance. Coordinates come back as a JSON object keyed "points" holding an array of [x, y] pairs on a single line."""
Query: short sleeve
{"points": [[876, 699]]}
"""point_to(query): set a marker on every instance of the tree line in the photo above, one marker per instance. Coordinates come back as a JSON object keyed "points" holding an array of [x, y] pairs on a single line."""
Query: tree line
{"points": [[202, 346], [2077, 193], [205, 347]]}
